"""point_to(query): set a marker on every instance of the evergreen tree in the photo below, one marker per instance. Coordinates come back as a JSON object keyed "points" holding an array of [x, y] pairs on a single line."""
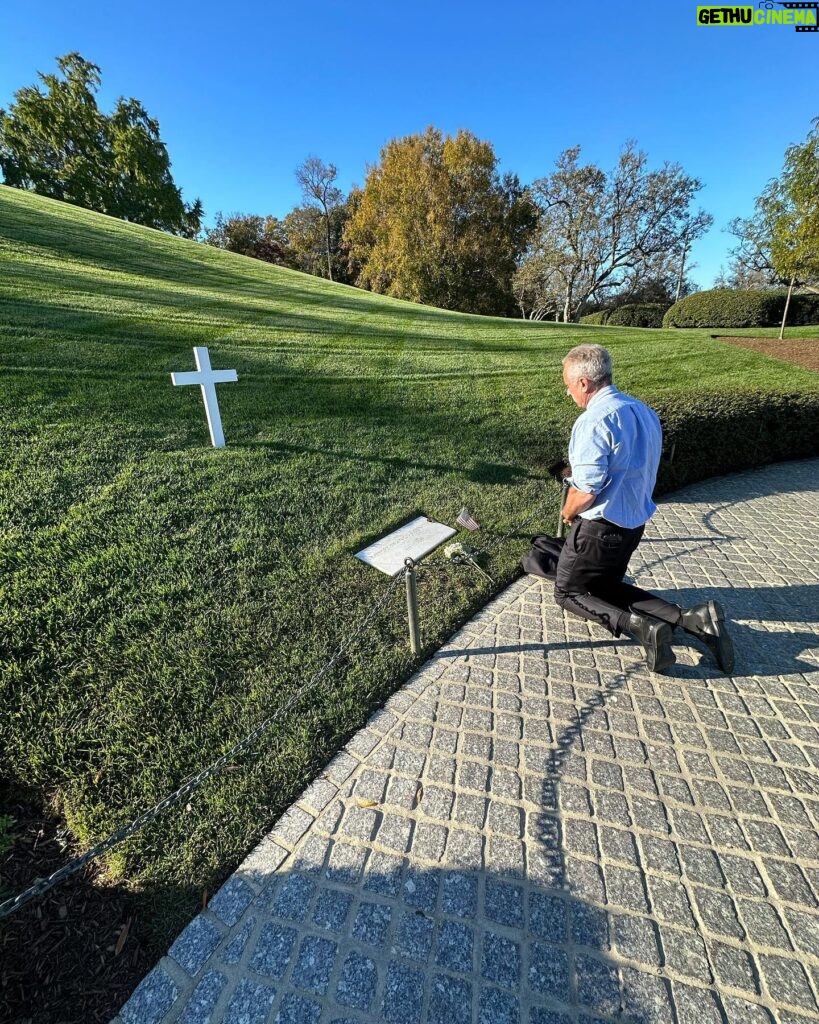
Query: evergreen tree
{"points": [[56, 142]]}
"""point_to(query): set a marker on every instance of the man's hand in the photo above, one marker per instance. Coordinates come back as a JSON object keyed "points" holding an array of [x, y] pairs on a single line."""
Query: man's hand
{"points": [[576, 502]]}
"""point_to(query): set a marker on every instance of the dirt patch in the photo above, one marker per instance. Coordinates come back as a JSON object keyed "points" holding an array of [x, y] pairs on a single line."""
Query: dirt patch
{"points": [[75, 955], [799, 351]]}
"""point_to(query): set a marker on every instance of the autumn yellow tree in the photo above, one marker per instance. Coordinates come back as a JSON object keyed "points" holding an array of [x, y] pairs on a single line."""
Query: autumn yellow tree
{"points": [[436, 223]]}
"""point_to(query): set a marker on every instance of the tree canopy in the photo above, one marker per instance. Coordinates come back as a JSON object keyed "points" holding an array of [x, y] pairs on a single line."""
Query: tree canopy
{"points": [[299, 241], [598, 232], [55, 141], [263, 238], [780, 241], [436, 223], [316, 241]]}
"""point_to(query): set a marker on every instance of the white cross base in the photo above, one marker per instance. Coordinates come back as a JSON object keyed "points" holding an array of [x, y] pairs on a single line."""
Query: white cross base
{"points": [[208, 379]]}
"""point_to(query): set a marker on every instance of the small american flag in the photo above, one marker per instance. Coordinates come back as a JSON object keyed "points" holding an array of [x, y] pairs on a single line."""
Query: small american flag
{"points": [[465, 520]]}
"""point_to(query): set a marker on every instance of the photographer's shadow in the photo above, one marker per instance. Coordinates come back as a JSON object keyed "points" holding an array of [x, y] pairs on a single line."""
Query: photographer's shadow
{"points": [[758, 621]]}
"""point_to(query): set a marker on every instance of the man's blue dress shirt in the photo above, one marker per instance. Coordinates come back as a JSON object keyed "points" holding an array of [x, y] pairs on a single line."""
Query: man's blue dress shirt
{"points": [[614, 453]]}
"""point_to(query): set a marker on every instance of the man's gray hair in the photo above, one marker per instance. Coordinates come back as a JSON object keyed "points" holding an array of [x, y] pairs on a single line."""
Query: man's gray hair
{"points": [[592, 361]]}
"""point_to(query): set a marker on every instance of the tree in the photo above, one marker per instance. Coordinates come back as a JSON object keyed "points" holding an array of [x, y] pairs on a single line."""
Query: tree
{"points": [[53, 143], [194, 215], [693, 227], [263, 238], [537, 285], [57, 143], [141, 187], [743, 277], [307, 235], [750, 263], [306, 229], [599, 232], [781, 239], [436, 223], [298, 241], [652, 289], [316, 180]]}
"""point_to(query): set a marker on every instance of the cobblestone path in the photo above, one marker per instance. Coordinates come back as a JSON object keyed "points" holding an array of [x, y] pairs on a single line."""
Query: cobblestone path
{"points": [[537, 830]]}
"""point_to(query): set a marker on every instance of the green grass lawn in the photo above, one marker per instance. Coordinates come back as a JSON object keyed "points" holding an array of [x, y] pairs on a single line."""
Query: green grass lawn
{"points": [[764, 332], [159, 598]]}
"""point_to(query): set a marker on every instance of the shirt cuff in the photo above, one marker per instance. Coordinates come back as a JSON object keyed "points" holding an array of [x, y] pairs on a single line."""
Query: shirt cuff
{"points": [[585, 488]]}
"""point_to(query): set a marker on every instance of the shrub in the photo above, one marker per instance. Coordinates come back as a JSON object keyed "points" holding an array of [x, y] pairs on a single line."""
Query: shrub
{"points": [[632, 314], [804, 310], [730, 307], [597, 318], [637, 314], [727, 307], [712, 433]]}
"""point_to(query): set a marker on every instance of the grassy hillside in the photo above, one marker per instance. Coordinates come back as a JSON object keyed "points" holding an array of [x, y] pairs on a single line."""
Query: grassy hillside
{"points": [[159, 598]]}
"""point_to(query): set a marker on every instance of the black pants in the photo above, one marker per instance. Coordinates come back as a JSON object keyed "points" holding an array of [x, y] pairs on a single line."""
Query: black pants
{"points": [[590, 574]]}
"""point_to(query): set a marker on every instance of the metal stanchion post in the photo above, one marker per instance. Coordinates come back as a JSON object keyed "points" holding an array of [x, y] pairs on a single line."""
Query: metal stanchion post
{"points": [[561, 526], [412, 607]]}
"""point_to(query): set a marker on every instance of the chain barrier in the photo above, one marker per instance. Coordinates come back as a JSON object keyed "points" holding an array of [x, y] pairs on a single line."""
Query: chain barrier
{"points": [[490, 548], [44, 885]]}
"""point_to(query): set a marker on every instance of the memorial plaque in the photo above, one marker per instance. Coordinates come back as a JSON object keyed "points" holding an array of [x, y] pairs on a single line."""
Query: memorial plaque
{"points": [[414, 540]]}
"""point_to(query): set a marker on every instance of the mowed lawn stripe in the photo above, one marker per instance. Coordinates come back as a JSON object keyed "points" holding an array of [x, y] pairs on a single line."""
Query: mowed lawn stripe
{"points": [[159, 598]]}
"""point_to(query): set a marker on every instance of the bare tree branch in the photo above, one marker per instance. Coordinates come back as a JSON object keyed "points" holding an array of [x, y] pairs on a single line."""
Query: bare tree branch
{"points": [[316, 180]]}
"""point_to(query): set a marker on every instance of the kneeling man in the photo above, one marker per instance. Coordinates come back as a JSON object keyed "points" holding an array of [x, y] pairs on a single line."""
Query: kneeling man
{"points": [[614, 454]]}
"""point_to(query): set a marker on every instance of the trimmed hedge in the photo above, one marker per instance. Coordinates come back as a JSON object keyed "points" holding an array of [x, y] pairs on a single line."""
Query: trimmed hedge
{"points": [[711, 434], [638, 314], [804, 311], [597, 319], [632, 314], [731, 307]]}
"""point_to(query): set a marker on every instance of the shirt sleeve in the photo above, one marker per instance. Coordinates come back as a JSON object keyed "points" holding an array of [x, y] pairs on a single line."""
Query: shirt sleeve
{"points": [[589, 453]]}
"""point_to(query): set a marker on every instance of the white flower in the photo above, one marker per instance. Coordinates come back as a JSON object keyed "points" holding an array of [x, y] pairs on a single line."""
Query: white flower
{"points": [[458, 551]]}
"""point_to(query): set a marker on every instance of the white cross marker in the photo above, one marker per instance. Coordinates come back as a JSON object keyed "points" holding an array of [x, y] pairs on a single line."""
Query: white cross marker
{"points": [[208, 378]]}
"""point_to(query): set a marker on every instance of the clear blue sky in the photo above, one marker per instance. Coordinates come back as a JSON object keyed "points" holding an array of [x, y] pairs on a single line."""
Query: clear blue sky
{"points": [[243, 92]]}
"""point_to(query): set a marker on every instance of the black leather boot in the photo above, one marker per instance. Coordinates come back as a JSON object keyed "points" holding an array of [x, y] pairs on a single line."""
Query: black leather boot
{"points": [[707, 623], [655, 636]]}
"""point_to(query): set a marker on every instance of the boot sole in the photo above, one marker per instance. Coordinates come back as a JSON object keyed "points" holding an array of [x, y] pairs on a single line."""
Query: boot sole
{"points": [[659, 655], [721, 645]]}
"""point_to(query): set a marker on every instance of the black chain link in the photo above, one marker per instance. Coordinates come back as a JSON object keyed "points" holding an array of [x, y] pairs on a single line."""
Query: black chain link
{"points": [[539, 509], [495, 544], [44, 885]]}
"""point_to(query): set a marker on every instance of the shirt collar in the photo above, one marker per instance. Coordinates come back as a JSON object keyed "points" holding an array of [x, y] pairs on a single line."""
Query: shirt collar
{"points": [[605, 392]]}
